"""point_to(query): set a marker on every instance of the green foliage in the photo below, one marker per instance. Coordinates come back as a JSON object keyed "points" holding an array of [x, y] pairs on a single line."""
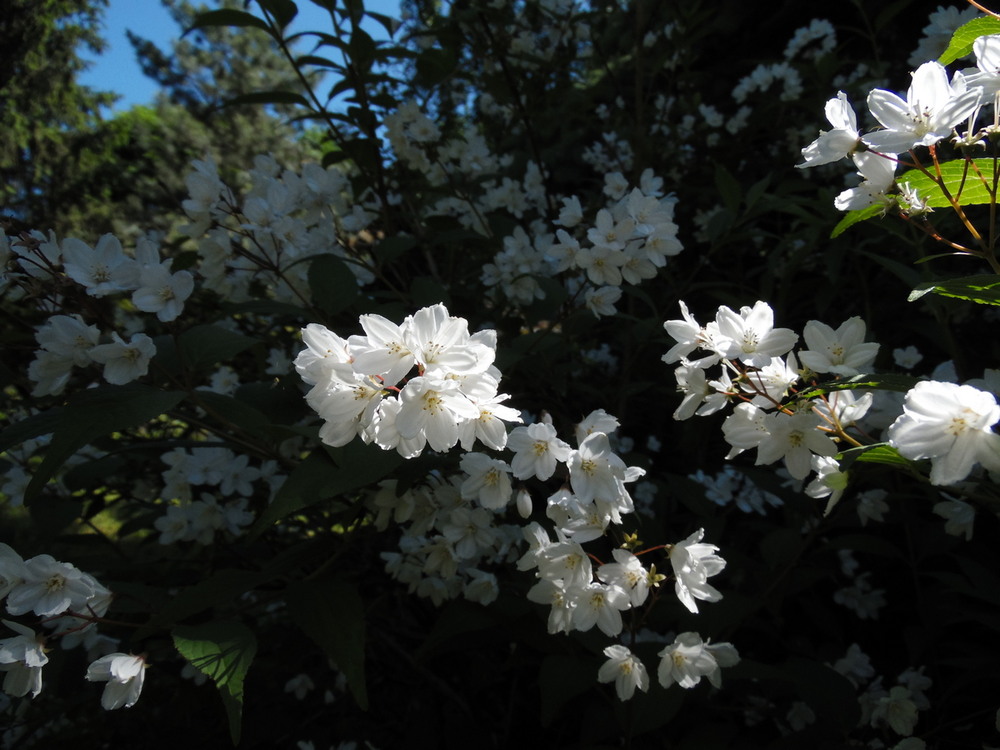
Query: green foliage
{"points": [[963, 38], [49, 119], [91, 414], [967, 181], [853, 217], [984, 289], [330, 611], [224, 652]]}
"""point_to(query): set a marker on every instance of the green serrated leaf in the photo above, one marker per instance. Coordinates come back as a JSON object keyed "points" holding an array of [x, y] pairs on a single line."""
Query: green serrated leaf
{"points": [[983, 289], [228, 17], [95, 413], [332, 613], [854, 217], [966, 180], [964, 36], [224, 652]]}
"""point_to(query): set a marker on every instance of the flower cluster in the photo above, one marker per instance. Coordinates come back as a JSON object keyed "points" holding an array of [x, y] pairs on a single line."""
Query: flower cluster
{"points": [[934, 107], [760, 372], [253, 245], [67, 341], [71, 603], [362, 386]]}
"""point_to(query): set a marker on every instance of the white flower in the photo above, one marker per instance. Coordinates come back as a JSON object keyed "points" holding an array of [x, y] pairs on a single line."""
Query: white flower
{"points": [[22, 658], [628, 573], [102, 270], [837, 143], [433, 408], [907, 358], [931, 109], [688, 659], [602, 301], [50, 588], [69, 337], [795, 438], [625, 669], [162, 292], [300, 685], [384, 352], [951, 425], [124, 675], [879, 173], [537, 451], [123, 362], [959, 517], [488, 481], [750, 335], [829, 481], [745, 428], [872, 506], [595, 470], [600, 604], [897, 710], [987, 49], [842, 352], [11, 569], [693, 563]]}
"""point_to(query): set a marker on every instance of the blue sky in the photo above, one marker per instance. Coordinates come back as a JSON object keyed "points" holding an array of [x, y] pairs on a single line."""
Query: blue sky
{"points": [[117, 70]]}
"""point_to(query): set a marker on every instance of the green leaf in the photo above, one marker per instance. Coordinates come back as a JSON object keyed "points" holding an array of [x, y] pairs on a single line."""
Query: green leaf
{"points": [[319, 478], [391, 248], [729, 188], [228, 17], [434, 65], [983, 289], [221, 587], [223, 651], [34, 426], [203, 346], [879, 453], [390, 24], [961, 41], [282, 10], [236, 411], [268, 97], [882, 381], [961, 180], [95, 413], [333, 285], [362, 49], [332, 614], [853, 217]]}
